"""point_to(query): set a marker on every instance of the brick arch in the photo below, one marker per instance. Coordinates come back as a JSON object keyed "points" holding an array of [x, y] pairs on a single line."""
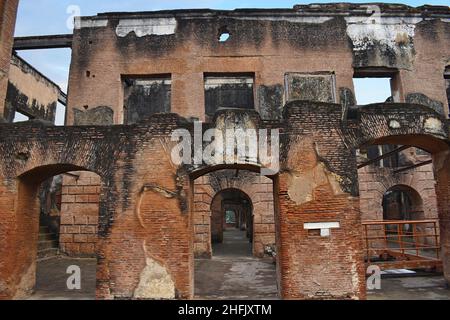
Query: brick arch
{"points": [[260, 191], [198, 171], [120, 155], [415, 197], [42, 152], [400, 124], [45, 153], [246, 195], [416, 126], [373, 191], [43, 172], [396, 124], [20, 247], [235, 119]]}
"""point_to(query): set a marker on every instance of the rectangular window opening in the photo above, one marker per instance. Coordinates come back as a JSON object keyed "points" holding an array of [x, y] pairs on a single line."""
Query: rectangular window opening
{"points": [[375, 151], [376, 86], [230, 217], [60, 116], [145, 96], [228, 91]]}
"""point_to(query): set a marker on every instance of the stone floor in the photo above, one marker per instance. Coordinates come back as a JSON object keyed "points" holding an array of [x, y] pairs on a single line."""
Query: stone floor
{"points": [[233, 273], [411, 288], [51, 279]]}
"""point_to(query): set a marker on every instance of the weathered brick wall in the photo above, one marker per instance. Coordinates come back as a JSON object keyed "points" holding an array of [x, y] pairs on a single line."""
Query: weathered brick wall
{"points": [[8, 12], [79, 214], [317, 185], [141, 240], [442, 173], [266, 48], [203, 195], [145, 224], [300, 40], [397, 124]]}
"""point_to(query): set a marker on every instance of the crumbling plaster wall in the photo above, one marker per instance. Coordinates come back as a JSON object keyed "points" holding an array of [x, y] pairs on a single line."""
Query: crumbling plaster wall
{"points": [[151, 240], [264, 47], [432, 55], [318, 183], [145, 232]]}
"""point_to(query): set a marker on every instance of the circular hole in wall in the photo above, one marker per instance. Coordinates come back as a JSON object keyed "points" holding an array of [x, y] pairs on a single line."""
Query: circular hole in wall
{"points": [[224, 34]]}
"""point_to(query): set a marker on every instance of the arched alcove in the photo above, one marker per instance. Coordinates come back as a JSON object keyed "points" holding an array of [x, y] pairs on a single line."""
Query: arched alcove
{"points": [[402, 202]]}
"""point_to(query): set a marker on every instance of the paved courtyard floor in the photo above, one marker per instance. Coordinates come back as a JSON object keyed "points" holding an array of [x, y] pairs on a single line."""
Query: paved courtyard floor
{"points": [[411, 288], [232, 273], [51, 279]]}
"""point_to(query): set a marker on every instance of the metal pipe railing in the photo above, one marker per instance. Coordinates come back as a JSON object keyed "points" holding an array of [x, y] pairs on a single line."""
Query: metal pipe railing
{"points": [[401, 240]]}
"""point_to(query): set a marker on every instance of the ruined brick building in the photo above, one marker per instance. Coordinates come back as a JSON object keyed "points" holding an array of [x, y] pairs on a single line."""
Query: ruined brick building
{"points": [[345, 168]]}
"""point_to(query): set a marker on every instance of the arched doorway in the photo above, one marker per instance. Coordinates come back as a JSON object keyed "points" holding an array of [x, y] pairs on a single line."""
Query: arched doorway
{"points": [[407, 237], [402, 203], [46, 258], [404, 207], [233, 219]]}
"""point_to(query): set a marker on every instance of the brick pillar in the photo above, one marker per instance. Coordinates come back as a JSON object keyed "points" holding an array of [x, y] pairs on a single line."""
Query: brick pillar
{"points": [[8, 12], [442, 173], [19, 228], [263, 216], [319, 232], [314, 266]]}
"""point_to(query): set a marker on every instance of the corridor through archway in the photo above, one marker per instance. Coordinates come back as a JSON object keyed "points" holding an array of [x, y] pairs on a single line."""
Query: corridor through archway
{"points": [[234, 267]]}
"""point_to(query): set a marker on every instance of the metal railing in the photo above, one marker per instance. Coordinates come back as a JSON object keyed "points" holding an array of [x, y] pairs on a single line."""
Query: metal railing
{"points": [[402, 243]]}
